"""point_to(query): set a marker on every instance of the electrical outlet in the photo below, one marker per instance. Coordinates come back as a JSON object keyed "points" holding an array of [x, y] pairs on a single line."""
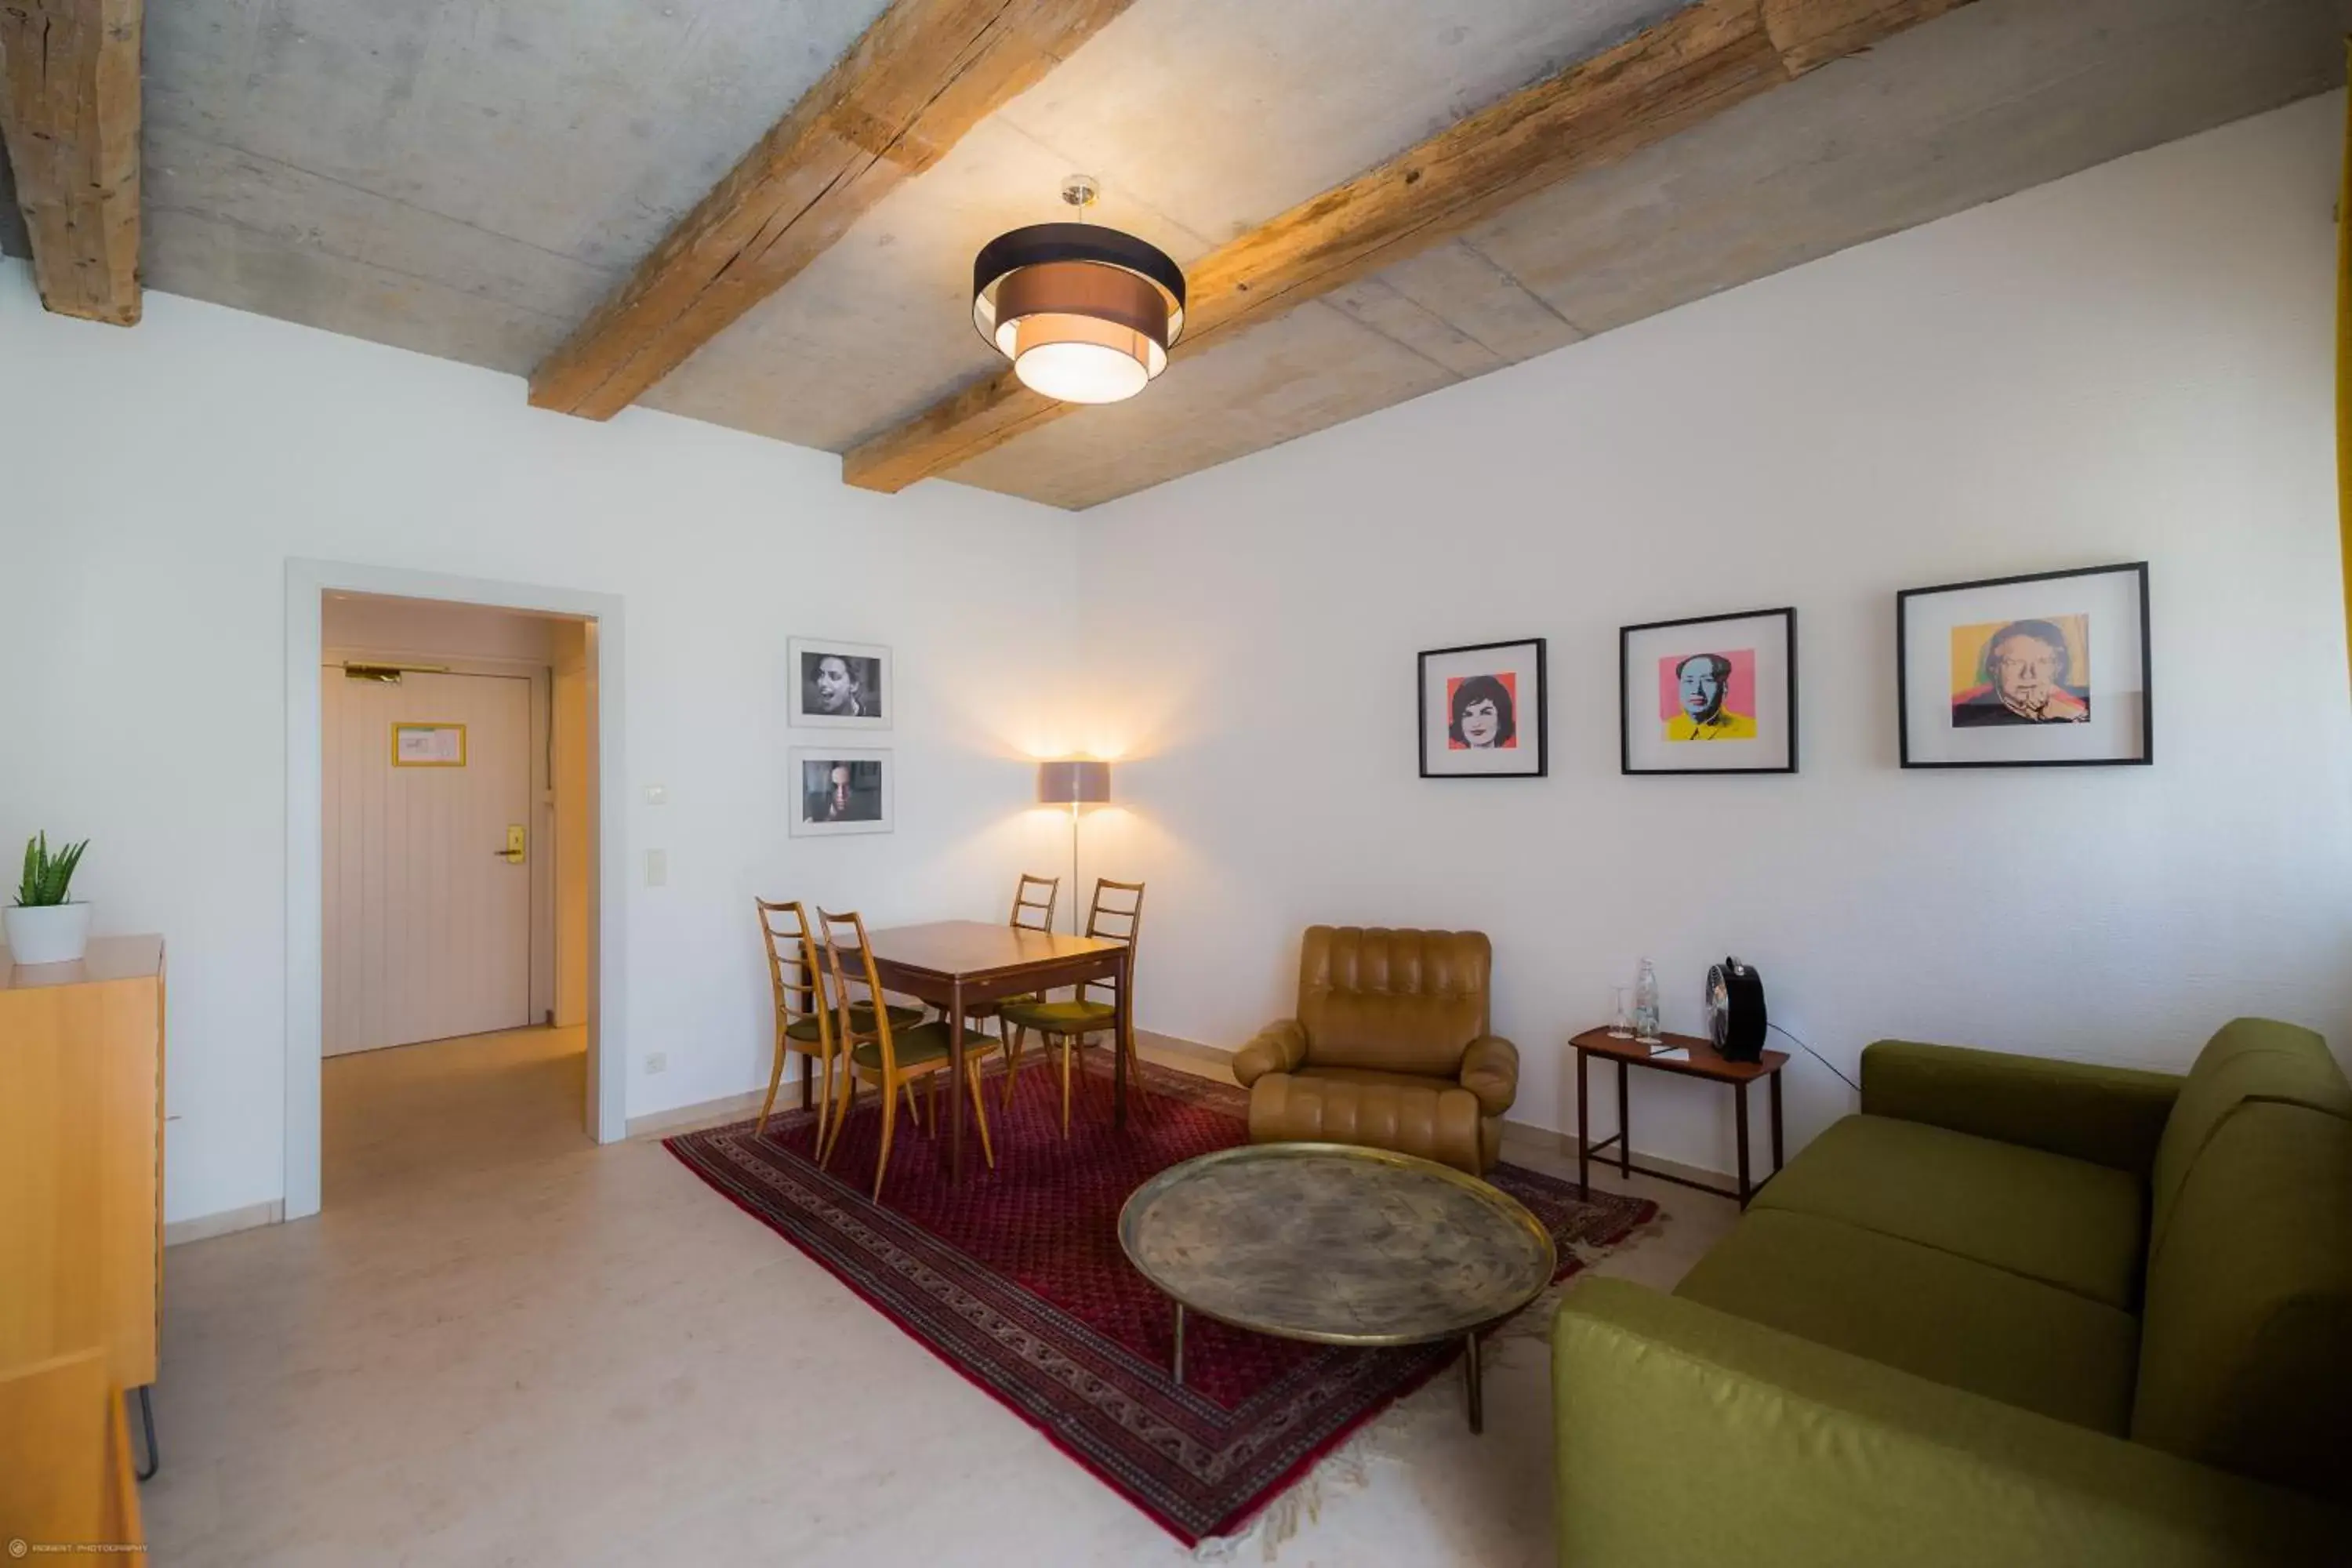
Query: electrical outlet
{"points": [[657, 1062]]}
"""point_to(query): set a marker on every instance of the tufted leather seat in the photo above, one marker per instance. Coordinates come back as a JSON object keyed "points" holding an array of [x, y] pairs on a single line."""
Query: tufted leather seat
{"points": [[1390, 1049]]}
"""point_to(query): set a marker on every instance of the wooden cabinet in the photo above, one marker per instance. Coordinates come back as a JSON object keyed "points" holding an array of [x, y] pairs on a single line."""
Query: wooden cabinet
{"points": [[82, 1158], [64, 1460]]}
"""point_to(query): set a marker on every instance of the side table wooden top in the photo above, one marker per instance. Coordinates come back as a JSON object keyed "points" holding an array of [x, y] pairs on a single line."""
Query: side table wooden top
{"points": [[1705, 1060]]}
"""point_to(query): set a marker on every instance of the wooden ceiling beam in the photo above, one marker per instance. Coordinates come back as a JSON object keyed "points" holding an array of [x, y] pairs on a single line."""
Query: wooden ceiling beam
{"points": [[1693, 66], [924, 74], [69, 110]]}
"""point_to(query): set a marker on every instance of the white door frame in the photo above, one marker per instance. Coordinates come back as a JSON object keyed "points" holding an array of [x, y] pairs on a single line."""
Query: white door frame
{"points": [[308, 583]]}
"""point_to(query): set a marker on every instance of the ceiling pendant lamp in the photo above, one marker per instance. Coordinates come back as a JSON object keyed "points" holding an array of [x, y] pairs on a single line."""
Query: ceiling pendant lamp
{"points": [[1086, 314]]}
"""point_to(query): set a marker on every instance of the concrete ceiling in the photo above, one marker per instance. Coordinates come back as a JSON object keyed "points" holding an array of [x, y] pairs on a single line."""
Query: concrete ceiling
{"points": [[469, 177]]}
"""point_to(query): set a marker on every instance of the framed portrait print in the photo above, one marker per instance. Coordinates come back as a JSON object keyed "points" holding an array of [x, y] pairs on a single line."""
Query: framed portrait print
{"points": [[1482, 712], [837, 789], [1715, 694], [2047, 670], [840, 684]]}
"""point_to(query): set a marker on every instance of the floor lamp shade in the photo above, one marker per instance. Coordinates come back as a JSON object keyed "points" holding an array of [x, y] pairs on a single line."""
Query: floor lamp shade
{"points": [[1073, 784]]}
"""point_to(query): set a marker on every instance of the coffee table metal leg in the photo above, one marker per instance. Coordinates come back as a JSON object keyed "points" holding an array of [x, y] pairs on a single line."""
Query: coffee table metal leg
{"points": [[1179, 1345], [1470, 1382]]}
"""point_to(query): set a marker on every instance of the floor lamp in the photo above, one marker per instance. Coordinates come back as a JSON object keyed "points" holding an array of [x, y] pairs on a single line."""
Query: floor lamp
{"points": [[1074, 783]]}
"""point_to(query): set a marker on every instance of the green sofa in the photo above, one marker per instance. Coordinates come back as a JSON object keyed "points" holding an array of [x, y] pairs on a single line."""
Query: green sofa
{"points": [[2016, 1312]]}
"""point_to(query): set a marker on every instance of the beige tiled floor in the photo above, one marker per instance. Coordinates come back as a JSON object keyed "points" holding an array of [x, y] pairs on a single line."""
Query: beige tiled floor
{"points": [[499, 1343]]}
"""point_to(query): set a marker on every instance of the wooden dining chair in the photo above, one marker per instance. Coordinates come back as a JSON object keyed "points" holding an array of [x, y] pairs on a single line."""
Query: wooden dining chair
{"points": [[1033, 897], [889, 1054], [803, 1022], [1118, 914], [806, 1021]]}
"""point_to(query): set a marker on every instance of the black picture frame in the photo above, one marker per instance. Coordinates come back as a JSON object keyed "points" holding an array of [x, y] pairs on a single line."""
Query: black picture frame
{"points": [[1626, 636], [1542, 708], [2147, 672]]}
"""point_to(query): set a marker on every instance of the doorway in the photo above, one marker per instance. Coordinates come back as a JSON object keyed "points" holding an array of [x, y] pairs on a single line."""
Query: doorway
{"points": [[451, 966], [450, 779]]}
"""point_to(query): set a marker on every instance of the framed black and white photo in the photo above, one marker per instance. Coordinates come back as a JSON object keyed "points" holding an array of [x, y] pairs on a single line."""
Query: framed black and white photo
{"points": [[1713, 694], [839, 789], [1482, 710], [2042, 671], [840, 684]]}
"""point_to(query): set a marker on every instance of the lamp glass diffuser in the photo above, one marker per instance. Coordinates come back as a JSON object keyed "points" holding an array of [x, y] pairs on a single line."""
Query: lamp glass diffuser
{"points": [[1086, 314], [1077, 782]]}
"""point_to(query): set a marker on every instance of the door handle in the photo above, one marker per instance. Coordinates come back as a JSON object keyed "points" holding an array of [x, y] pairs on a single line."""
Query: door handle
{"points": [[513, 853]]}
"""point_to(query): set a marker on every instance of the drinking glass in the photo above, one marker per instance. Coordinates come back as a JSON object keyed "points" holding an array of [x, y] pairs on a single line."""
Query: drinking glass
{"points": [[1621, 1013]]}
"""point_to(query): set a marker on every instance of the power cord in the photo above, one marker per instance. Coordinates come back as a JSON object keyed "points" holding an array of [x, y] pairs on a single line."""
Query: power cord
{"points": [[1817, 1057]]}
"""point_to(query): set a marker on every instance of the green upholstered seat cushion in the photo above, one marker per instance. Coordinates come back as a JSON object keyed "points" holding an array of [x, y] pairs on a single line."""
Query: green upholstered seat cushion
{"points": [[2247, 1059], [2246, 1349], [2063, 1222], [861, 1017], [1925, 1312], [1061, 1017], [923, 1043]]}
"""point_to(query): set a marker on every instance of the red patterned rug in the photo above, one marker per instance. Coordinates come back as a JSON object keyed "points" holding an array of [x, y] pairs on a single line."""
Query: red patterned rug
{"points": [[1016, 1280]]}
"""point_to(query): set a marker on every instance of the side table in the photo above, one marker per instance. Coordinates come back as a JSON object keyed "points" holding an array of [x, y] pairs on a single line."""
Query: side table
{"points": [[1703, 1061]]}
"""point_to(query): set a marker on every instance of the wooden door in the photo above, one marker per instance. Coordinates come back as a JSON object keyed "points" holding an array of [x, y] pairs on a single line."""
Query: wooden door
{"points": [[427, 919]]}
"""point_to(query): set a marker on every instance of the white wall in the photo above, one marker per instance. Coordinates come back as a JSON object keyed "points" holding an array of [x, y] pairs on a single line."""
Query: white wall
{"points": [[158, 479], [2130, 363]]}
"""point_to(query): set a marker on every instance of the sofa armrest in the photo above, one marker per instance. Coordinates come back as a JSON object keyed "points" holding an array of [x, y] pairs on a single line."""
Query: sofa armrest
{"points": [[1690, 1436], [2108, 1116], [1490, 1069], [1277, 1047]]}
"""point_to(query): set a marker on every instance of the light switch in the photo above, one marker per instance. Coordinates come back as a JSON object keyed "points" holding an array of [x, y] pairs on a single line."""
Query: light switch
{"points": [[657, 795], [656, 867]]}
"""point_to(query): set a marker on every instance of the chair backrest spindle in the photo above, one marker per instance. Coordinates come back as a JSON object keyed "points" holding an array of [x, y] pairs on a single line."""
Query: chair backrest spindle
{"points": [[1029, 912], [795, 977], [1117, 914], [848, 930]]}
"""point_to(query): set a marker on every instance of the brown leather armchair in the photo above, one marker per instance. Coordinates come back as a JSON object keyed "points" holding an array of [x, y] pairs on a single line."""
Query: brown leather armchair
{"points": [[1390, 1047]]}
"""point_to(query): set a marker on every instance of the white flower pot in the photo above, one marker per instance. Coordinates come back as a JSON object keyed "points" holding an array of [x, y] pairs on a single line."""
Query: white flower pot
{"points": [[47, 933]]}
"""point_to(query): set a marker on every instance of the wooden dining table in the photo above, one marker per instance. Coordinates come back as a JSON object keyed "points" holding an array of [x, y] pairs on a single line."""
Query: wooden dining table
{"points": [[959, 964]]}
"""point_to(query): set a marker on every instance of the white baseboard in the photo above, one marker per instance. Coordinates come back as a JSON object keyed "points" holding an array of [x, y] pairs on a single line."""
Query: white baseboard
{"points": [[1177, 1046], [711, 1112], [1564, 1145], [228, 1222]]}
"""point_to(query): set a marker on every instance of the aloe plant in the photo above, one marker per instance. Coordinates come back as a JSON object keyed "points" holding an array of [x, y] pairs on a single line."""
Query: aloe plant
{"points": [[47, 876]]}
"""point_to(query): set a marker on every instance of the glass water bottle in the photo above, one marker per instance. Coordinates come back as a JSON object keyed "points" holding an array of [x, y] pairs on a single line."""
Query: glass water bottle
{"points": [[1645, 1004]]}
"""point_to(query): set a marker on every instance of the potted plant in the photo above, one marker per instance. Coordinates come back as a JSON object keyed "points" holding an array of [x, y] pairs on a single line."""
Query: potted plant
{"points": [[43, 927]]}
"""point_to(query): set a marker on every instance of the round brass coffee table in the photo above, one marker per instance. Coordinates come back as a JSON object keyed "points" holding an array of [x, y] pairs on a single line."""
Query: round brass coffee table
{"points": [[1340, 1246]]}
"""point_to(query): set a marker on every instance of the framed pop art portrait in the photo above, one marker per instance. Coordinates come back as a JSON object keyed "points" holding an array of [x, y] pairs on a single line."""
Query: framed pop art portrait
{"points": [[1482, 712], [1715, 694], [838, 790], [2047, 670], [840, 684]]}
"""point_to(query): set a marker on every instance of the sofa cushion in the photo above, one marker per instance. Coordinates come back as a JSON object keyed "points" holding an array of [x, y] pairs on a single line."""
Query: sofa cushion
{"points": [[2250, 1061], [2063, 1222], [1927, 1311], [2246, 1355]]}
